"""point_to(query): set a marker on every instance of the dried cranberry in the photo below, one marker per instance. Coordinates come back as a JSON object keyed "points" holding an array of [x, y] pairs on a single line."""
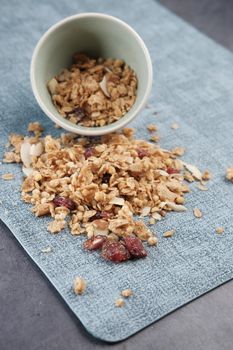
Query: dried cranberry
{"points": [[172, 171], [106, 177], [142, 153], [64, 202], [106, 215], [89, 152], [94, 242], [135, 247], [101, 215], [115, 251]]}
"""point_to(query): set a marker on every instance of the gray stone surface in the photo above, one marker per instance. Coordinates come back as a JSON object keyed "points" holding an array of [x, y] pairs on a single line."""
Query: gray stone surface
{"points": [[34, 317]]}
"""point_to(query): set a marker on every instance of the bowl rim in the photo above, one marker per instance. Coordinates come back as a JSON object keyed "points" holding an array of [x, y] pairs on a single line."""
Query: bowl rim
{"points": [[74, 128]]}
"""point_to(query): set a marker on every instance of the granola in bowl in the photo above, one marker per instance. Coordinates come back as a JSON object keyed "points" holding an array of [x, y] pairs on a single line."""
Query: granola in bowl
{"points": [[94, 92], [98, 187]]}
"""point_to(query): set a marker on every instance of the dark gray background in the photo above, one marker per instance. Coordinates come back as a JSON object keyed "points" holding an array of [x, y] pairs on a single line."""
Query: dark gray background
{"points": [[32, 315]]}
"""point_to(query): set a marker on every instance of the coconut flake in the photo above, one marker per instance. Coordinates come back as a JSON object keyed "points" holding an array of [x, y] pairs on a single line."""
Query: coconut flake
{"points": [[117, 201], [193, 170], [27, 171], [176, 207], [36, 149], [25, 153], [103, 86], [52, 86]]}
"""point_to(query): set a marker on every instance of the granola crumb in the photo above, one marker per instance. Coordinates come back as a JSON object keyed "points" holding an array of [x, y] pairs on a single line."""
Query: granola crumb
{"points": [[152, 240], [219, 230], [46, 250], [56, 226], [154, 138], [152, 221], [152, 127], [180, 200], [169, 233], [206, 175], [11, 157], [197, 213], [175, 126], [178, 151], [229, 174], [8, 176], [188, 177], [79, 285], [127, 293], [119, 302], [36, 128]]}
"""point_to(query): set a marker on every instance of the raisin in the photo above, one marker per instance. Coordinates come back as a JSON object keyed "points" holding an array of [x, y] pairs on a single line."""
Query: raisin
{"points": [[106, 178], [89, 152], [97, 216], [94, 242], [115, 251], [142, 153], [78, 112], [101, 215], [172, 171], [64, 202], [135, 247]]}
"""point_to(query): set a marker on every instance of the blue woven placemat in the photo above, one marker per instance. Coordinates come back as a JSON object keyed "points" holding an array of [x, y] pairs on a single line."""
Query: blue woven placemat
{"points": [[193, 84]]}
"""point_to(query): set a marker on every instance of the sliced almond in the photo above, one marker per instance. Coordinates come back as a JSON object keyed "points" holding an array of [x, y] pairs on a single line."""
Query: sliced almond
{"points": [[197, 213], [202, 187], [169, 233], [193, 170], [25, 153], [156, 216], [176, 207], [8, 176]]}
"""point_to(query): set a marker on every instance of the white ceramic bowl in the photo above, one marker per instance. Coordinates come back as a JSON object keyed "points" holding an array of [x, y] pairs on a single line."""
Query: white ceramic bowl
{"points": [[98, 35]]}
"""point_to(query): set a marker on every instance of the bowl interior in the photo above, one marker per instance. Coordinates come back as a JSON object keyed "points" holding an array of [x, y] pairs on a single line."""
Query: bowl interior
{"points": [[98, 36]]}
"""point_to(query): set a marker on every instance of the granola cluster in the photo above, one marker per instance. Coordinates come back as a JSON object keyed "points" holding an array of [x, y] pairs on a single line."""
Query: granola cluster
{"points": [[94, 92], [97, 186]]}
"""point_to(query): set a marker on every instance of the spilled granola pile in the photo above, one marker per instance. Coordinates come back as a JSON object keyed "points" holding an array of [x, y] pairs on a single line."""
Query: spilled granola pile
{"points": [[94, 92], [96, 186]]}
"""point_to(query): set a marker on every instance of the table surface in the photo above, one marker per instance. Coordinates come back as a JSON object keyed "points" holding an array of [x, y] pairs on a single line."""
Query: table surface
{"points": [[33, 316]]}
